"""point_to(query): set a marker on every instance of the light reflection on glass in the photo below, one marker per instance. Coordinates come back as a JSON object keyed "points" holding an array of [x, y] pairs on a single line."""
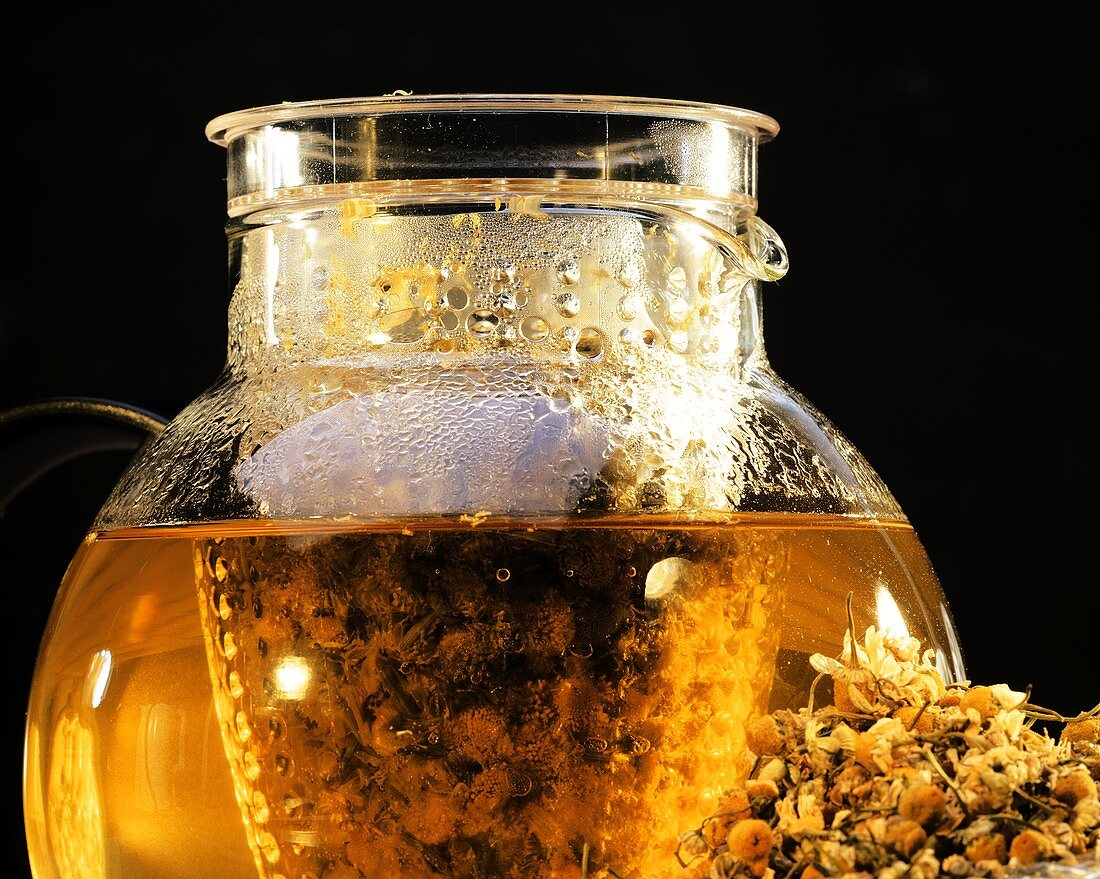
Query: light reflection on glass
{"points": [[99, 675], [890, 621], [292, 678]]}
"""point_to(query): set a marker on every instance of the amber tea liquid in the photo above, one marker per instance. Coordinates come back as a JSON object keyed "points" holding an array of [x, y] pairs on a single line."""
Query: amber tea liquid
{"points": [[460, 698]]}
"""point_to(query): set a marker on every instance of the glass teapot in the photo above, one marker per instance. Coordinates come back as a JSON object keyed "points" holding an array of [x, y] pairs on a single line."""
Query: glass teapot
{"points": [[494, 534]]}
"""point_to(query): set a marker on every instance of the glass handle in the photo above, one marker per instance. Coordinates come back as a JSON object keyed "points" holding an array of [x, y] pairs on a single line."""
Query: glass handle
{"points": [[37, 437]]}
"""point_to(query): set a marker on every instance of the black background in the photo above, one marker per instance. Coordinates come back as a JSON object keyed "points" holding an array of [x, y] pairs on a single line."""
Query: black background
{"points": [[934, 182]]}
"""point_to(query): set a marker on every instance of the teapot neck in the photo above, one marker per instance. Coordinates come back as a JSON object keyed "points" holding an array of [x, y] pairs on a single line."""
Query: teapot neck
{"points": [[520, 275]]}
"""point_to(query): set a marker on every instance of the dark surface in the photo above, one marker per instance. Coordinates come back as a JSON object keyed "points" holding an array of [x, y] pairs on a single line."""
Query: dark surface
{"points": [[934, 182]]}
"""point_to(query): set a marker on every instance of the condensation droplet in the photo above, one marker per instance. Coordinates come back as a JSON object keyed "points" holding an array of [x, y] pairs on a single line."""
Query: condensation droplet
{"points": [[677, 279], [678, 341], [589, 343], [292, 804], [221, 570], [708, 344], [569, 272], [269, 847], [627, 308], [567, 336], [534, 329], [224, 610], [276, 728], [482, 322], [627, 336], [504, 575], [457, 298], [649, 338], [449, 321], [678, 311], [260, 811], [251, 766], [503, 303], [320, 277], [244, 731], [236, 688], [229, 646], [283, 764], [635, 745], [519, 784], [632, 571], [505, 271], [567, 304], [628, 275]]}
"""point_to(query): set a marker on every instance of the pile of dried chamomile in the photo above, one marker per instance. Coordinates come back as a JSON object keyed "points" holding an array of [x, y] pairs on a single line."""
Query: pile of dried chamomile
{"points": [[906, 777]]}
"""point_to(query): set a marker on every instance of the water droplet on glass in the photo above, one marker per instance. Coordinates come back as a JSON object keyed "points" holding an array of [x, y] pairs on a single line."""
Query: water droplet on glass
{"points": [[292, 804], [457, 298], [649, 338], [677, 280], [269, 847], [569, 272], [221, 570], [678, 341], [449, 321], [589, 343], [567, 336], [627, 308], [519, 784], [568, 572], [678, 311], [244, 731], [229, 646], [482, 322], [581, 649], [236, 688], [260, 811], [224, 610], [443, 346], [595, 744], [534, 329], [505, 271], [283, 764], [628, 275], [627, 336], [634, 745], [632, 571], [504, 575], [567, 304], [276, 727], [503, 303], [320, 277], [252, 766]]}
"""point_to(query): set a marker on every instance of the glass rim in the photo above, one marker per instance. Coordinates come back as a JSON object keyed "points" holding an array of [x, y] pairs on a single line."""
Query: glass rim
{"points": [[225, 128]]}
